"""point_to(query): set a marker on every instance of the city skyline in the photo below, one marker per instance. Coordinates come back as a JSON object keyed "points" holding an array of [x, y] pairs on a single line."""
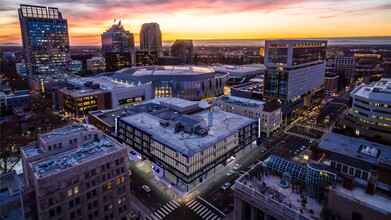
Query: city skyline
{"points": [[213, 20]]}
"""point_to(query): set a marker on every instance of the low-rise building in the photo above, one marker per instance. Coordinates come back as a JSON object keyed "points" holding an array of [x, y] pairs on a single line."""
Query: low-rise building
{"points": [[77, 172], [100, 92], [268, 114], [370, 112], [185, 144], [18, 98], [96, 64], [146, 58], [331, 84]]}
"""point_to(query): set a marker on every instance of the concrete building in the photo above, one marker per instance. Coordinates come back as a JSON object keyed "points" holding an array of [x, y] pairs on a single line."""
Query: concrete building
{"points": [[345, 67], [97, 93], [295, 69], [387, 69], [188, 82], [77, 172], [117, 60], [21, 70], [183, 49], [151, 38], [268, 114], [117, 39], [18, 98], [273, 189], [96, 64], [146, 58], [239, 73], [75, 66], [185, 144], [370, 114], [331, 84], [45, 40]]}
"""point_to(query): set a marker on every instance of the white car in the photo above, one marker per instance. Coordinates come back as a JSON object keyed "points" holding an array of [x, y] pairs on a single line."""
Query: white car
{"points": [[230, 173], [237, 166], [146, 188], [226, 186], [302, 147]]}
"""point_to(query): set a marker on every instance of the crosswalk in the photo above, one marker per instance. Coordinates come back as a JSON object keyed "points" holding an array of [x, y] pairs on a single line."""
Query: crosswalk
{"points": [[202, 210], [300, 136], [163, 211], [312, 127]]}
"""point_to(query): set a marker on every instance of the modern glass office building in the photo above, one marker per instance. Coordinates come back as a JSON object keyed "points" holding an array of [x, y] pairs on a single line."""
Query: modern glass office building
{"points": [[45, 40], [117, 39]]}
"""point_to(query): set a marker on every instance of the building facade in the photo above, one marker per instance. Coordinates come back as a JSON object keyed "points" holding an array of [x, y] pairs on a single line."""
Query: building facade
{"points": [[146, 58], [345, 67], [186, 149], [96, 64], [117, 60], [151, 38], [21, 70], [117, 39], [269, 115], [183, 49], [98, 93], [188, 82], [45, 40], [295, 70], [370, 112], [78, 172], [331, 85]]}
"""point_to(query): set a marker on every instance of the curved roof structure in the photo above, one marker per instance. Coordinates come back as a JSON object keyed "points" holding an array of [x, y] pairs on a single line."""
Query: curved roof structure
{"points": [[166, 73]]}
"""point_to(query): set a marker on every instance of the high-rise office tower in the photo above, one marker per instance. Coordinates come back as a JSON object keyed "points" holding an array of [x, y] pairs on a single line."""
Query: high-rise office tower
{"points": [[151, 38], [345, 67], [183, 49], [45, 40], [294, 70], [117, 39]]}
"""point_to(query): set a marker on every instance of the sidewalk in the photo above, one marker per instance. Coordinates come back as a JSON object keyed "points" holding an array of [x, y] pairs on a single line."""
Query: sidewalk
{"points": [[137, 207]]}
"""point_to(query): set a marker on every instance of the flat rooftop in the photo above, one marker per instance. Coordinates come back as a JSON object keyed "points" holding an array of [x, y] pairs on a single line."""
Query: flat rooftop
{"points": [[84, 153], [358, 149], [82, 86], [265, 189], [65, 132], [10, 187], [234, 100], [375, 201], [380, 91], [224, 124], [253, 87], [241, 70]]}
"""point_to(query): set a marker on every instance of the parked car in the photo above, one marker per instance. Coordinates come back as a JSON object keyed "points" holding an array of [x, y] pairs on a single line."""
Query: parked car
{"points": [[302, 147], [226, 186], [237, 166], [146, 188], [230, 173]]}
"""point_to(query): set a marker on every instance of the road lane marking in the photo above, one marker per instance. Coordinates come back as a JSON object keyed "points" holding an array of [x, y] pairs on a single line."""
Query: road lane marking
{"points": [[164, 210], [161, 213], [206, 214], [171, 206], [211, 205], [187, 204], [199, 211], [175, 202], [202, 213], [195, 205], [199, 207], [157, 215], [168, 207], [210, 216]]}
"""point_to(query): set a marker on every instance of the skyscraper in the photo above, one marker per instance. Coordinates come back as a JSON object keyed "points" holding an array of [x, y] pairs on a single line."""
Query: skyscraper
{"points": [[183, 49], [151, 38], [117, 39], [45, 40], [345, 67]]}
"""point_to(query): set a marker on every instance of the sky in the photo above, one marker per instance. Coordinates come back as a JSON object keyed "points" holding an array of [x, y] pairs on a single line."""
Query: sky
{"points": [[212, 19]]}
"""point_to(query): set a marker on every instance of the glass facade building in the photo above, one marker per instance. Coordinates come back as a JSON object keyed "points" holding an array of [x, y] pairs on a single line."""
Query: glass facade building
{"points": [[117, 39], [45, 40], [317, 179], [118, 60], [146, 58]]}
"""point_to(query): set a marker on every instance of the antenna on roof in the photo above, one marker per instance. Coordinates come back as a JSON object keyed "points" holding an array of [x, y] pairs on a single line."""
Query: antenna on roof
{"points": [[114, 20]]}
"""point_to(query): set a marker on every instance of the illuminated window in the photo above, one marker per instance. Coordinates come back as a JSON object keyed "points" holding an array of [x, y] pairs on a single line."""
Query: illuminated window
{"points": [[118, 180], [109, 185], [76, 189], [122, 179], [70, 193]]}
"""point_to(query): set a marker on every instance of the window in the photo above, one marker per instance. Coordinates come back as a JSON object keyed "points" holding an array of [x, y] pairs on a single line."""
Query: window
{"points": [[51, 213], [76, 189], [70, 192], [71, 203], [356, 216], [59, 209]]}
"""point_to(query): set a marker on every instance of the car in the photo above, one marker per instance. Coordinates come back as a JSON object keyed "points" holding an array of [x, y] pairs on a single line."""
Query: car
{"points": [[146, 188], [302, 147], [311, 141], [284, 141], [263, 149], [226, 210], [296, 152], [230, 172], [237, 166], [226, 186]]}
